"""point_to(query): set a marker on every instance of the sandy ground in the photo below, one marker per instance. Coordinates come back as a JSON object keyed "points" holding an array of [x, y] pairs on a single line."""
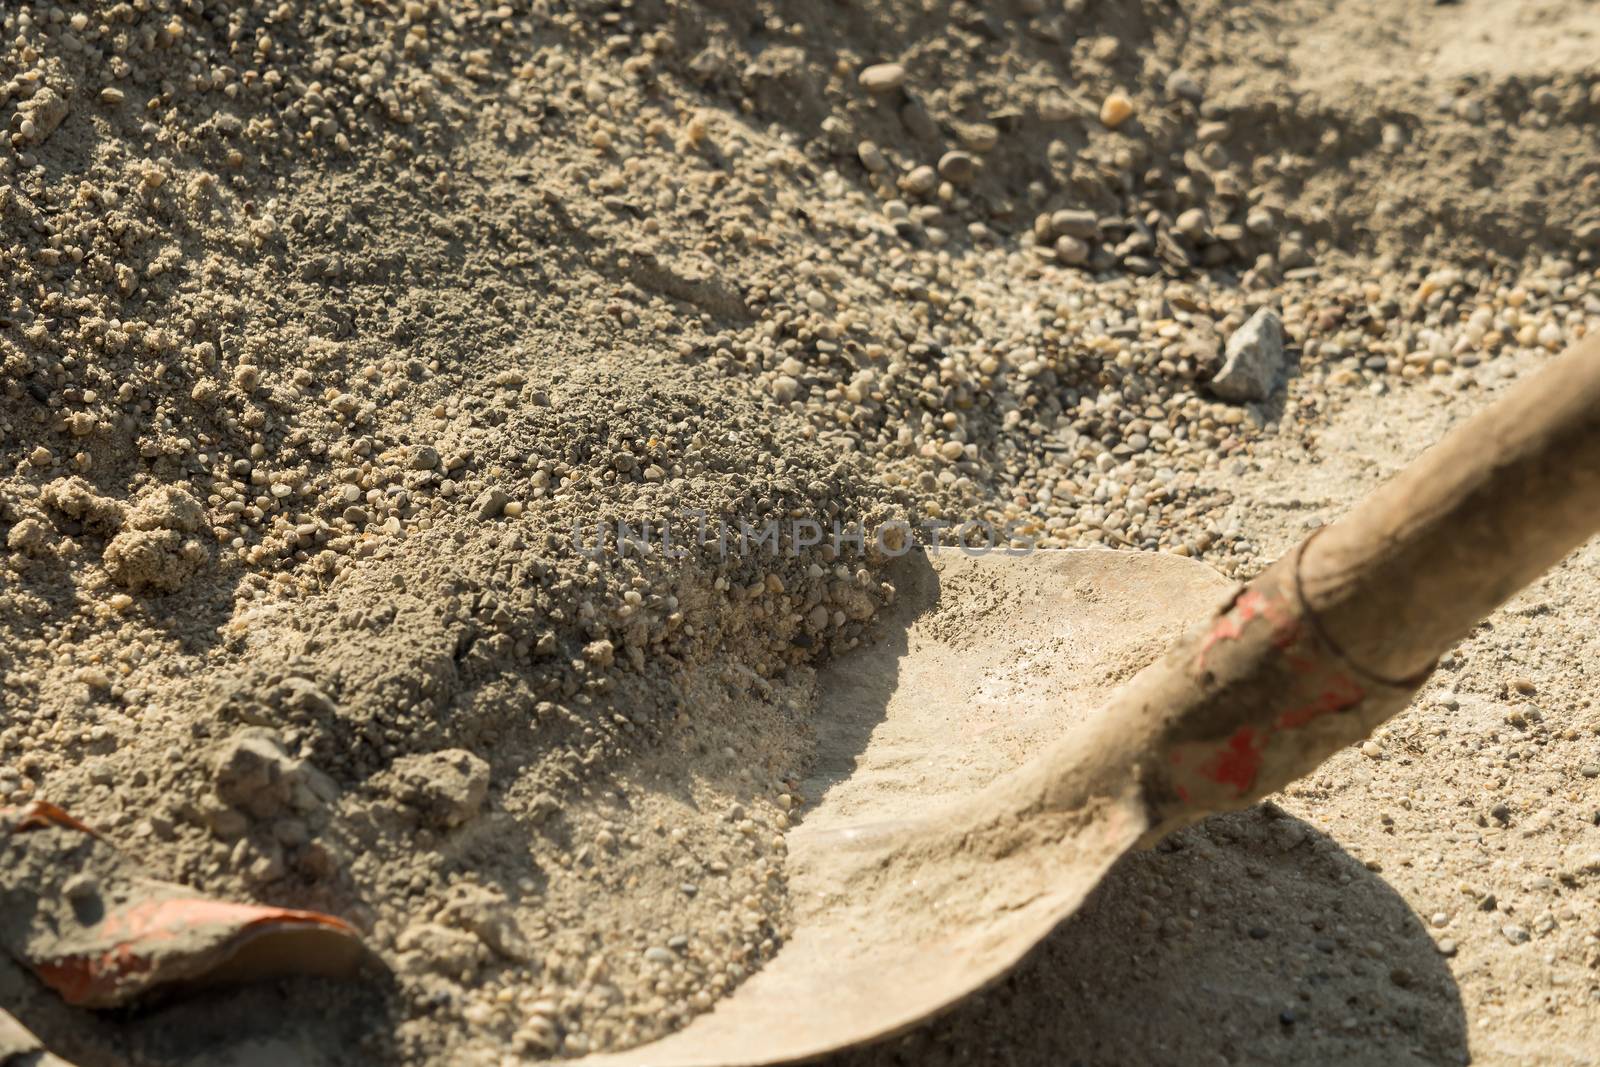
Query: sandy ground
{"points": [[323, 325]]}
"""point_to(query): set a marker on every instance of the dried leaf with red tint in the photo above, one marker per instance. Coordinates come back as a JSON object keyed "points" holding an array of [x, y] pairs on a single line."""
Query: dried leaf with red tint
{"points": [[82, 917]]}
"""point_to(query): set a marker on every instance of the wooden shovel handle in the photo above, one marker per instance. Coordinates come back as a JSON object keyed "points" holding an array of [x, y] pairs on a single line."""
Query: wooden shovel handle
{"points": [[1494, 505], [1337, 636]]}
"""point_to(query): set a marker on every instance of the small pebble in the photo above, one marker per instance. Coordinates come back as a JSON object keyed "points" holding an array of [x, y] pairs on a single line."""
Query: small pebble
{"points": [[883, 77], [1192, 223], [1115, 110], [919, 181], [1181, 85], [872, 157], [1075, 222], [958, 167], [1072, 250]]}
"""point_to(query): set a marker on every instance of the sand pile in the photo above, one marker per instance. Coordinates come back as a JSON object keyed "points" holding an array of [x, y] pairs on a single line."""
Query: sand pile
{"points": [[339, 342]]}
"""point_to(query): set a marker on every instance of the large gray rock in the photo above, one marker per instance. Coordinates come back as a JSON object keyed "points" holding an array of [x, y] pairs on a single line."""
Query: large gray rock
{"points": [[1254, 359]]}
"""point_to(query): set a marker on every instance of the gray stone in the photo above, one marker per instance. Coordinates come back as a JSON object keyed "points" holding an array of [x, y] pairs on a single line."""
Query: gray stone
{"points": [[1181, 85], [490, 504], [1254, 359]]}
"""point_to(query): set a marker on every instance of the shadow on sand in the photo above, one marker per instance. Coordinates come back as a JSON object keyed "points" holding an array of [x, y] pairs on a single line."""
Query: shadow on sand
{"points": [[1249, 938]]}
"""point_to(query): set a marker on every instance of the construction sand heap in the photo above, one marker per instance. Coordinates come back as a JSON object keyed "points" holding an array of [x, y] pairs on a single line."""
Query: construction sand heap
{"points": [[339, 341]]}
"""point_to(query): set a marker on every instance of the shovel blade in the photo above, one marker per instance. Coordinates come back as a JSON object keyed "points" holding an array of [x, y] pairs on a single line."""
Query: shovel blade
{"points": [[897, 914]]}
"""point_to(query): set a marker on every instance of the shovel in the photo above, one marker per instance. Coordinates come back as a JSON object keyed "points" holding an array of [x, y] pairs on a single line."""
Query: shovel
{"points": [[981, 769]]}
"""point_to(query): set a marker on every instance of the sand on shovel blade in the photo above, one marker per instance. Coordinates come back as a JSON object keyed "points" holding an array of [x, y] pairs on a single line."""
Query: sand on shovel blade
{"points": [[986, 660]]}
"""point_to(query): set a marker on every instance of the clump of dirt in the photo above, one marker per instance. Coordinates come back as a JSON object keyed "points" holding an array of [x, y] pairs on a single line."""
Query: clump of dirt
{"points": [[347, 351]]}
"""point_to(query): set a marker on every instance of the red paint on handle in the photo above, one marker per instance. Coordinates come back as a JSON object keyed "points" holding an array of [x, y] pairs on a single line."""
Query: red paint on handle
{"points": [[1236, 762], [1342, 692]]}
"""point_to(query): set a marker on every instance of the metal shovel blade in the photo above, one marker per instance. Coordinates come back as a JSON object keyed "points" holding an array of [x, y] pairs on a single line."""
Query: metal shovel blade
{"points": [[898, 911]]}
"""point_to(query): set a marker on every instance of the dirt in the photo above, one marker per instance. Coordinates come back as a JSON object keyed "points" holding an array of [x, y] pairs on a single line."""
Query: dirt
{"points": [[331, 334]]}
